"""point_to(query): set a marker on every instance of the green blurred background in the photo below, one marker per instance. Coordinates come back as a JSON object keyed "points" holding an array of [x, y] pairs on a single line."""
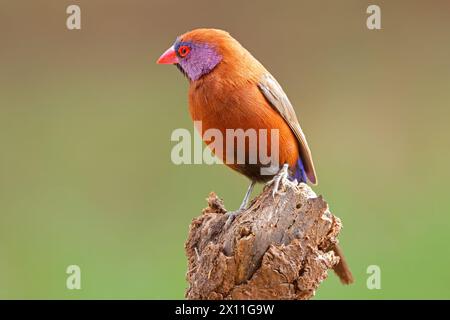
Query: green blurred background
{"points": [[86, 118]]}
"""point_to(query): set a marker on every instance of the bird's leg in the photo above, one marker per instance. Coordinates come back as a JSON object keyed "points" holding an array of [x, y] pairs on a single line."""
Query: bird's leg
{"points": [[280, 177], [244, 203], [232, 214]]}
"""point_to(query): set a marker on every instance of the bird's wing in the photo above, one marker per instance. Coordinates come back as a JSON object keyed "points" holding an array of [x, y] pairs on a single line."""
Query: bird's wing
{"points": [[279, 100]]}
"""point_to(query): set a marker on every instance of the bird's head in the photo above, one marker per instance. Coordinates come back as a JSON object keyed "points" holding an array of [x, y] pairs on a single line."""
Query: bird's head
{"points": [[198, 52]]}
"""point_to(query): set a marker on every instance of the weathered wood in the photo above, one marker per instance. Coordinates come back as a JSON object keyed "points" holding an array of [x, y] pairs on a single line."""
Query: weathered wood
{"points": [[279, 248]]}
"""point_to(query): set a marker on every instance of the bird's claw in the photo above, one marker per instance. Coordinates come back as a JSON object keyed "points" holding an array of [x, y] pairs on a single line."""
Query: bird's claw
{"points": [[231, 215], [280, 177]]}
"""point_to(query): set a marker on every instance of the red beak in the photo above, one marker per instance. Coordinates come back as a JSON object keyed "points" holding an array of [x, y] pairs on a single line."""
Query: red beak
{"points": [[168, 57]]}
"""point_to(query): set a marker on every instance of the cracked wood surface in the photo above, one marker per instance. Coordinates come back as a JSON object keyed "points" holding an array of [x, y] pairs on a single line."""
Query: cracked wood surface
{"points": [[279, 248]]}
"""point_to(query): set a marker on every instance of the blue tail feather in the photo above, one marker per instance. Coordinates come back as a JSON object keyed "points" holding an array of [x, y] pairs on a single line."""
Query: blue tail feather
{"points": [[300, 173]]}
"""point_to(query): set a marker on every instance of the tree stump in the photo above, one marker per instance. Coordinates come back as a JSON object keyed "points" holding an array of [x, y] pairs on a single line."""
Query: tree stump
{"points": [[279, 248]]}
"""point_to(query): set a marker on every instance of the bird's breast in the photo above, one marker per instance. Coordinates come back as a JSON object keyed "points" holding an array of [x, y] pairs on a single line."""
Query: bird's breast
{"points": [[231, 108]]}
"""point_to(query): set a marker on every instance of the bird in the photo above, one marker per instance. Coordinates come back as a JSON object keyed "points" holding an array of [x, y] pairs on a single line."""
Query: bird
{"points": [[230, 89]]}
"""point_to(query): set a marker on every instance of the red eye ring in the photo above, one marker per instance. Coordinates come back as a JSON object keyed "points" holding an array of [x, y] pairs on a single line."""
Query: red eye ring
{"points": [[183, 51]]}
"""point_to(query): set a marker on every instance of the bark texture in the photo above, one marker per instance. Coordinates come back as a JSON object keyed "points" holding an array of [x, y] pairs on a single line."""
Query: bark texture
{"points": [[279, 248]]}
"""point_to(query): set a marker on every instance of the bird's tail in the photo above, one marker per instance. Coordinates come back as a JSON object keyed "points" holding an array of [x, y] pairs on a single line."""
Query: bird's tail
{"points": [[342, 269], [300, 173]]}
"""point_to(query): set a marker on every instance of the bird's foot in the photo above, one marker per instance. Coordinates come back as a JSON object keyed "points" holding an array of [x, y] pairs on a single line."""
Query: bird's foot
{"points": [[280, 178], [231, 215]]}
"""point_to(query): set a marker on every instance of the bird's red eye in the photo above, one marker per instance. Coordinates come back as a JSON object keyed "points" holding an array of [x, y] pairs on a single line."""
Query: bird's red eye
{"points": [[183, 51]]}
